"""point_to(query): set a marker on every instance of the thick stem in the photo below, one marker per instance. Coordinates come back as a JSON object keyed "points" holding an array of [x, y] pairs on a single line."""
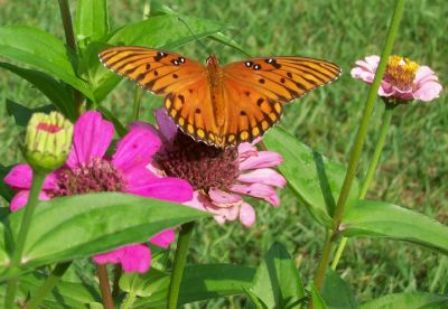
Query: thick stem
{"points": [[137, 102], [106, 295], [36, 186], [323, 262], [179, 263], [360, 137], [387, 116], [64, 9], [48, 285]]}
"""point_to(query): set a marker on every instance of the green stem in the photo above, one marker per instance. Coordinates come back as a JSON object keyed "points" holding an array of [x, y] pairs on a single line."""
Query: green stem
{"points": [[64, 9], [387, 116], [179, 263], [360, 137], [137, 102], [48, 285], [36, 186], [106, 295], [323, 262]]}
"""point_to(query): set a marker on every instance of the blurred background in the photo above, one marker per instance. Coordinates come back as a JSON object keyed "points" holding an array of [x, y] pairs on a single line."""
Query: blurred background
{"points": [[413, 171]]}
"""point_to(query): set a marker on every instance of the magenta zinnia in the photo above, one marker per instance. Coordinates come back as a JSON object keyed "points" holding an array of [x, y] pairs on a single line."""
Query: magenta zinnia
{"points": [[404, 79], [220, 178], [89, 169]]}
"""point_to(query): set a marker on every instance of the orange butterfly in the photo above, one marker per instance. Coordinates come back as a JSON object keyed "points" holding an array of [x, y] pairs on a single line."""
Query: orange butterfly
{"points": [[221, 106]]}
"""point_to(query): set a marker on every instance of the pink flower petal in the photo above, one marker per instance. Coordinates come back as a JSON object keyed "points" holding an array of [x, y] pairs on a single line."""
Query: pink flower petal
{"points": [[137, 177], [167, 188], [20, 177], [428, 91], [167, 127], [91, 138], [258, 190], [247, 215], [135, 149], [265, 176], [20, 199], [136, 258], [164, 239], [223, 199], [197, 201], [133, 258], [262, 159]]}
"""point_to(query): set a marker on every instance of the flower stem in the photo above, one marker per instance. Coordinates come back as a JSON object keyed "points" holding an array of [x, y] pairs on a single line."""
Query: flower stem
{"points": [[64, 9], [137, 102], [179, 263], [48, 285], [387, 116], [106, 295], [359, 141], [36, 186]]}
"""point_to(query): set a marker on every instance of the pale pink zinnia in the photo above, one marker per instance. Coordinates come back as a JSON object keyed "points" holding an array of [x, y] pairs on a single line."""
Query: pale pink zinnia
{"points": [[89, 169], [221, 178], [404, 80]]}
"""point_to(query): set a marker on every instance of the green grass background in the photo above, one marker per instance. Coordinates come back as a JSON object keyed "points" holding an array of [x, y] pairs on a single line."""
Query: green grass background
{"points": [[414, 169]]}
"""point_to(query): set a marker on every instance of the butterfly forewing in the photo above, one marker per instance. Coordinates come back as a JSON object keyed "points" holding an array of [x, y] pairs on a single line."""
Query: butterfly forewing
{"points": [[257, 88]]}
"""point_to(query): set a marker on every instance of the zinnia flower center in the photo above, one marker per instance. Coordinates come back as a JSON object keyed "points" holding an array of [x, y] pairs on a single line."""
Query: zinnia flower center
{"points": [[203, 166], [97, 176], [400, 71]]}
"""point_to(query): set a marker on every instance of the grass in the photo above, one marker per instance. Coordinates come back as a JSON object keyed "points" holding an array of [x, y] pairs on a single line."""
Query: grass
{"points": [[414, 167]]}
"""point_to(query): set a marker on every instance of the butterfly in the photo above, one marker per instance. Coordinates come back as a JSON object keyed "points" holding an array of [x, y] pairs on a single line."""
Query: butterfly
{"points": [[221, 105]]}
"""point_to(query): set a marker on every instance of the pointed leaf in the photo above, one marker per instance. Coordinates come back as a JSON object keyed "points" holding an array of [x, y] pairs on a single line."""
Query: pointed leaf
{"points": [[381, 219], [23, 114], [277, 281], [337, 293], [92, 22], [317, 300], [408, 300], [79, 226], [316, 180], [57, 92], [39, 49]]}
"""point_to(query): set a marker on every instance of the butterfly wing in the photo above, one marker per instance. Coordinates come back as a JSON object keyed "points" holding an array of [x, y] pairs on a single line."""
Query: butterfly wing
{"points": [[182, 81], [256, 89]]}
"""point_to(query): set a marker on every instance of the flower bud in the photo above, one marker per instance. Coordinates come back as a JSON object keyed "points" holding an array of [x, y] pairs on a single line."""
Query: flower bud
{"points": [[48, 140]]}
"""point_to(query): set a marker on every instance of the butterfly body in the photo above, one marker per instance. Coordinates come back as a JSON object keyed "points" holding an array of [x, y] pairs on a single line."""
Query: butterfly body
{"points": [[221, 105]]}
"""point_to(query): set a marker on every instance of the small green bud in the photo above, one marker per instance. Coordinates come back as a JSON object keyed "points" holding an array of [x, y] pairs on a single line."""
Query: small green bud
{"points": [[48, 140]]}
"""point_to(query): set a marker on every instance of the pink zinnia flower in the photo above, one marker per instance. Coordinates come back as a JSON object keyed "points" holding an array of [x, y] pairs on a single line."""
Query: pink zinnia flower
{"points": [[220, 177], [404, 80], [89, 169]]}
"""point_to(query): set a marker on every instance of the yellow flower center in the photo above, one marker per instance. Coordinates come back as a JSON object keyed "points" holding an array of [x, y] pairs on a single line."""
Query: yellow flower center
{"points": [[401, 71]]}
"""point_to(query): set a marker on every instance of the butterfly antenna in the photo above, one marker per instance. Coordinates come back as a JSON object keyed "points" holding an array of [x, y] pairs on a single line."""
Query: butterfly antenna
{"points": [[194, 35]]}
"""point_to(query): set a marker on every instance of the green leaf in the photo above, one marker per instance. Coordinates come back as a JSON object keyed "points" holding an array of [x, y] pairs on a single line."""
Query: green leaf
{"points": [[408, 301], [73, 227], [23, 114], [5, 190], [153, 284], [381, 219], [67, 294], [200, 282], [39, 49], [277, 282], [316, 180], [92, 21], [162, 31], [337, 293], [57, 92], [317, 300], [203, 282]]}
